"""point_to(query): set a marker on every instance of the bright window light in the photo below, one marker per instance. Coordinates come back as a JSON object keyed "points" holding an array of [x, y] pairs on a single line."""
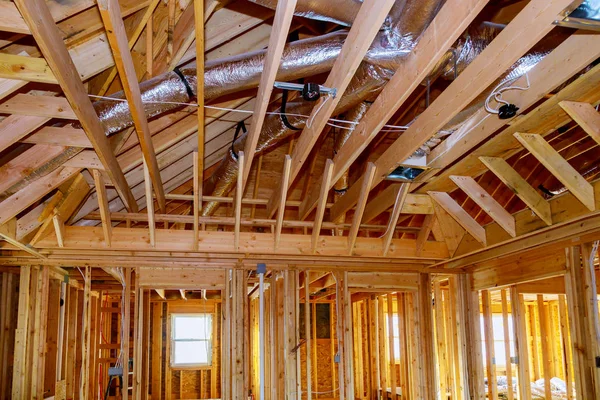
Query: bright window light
{"points": [[191, 340]]}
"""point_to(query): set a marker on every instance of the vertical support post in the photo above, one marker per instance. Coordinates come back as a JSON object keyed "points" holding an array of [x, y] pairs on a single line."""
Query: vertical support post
{"points": [[125, 325], [427, 347], [307, 332], [21, 335], [519, 328], [261, 269], [490, 356]]}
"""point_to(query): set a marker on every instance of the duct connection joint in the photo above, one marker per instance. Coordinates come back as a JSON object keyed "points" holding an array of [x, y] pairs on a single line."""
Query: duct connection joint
{"points": [[310, 91]]}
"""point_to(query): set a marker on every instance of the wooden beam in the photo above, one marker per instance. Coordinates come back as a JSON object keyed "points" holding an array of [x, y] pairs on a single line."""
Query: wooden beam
{"points": [[279, 34], [520, 187], [197, 192], [103, 205], [360, 208], [59, 229], [414, 204], [486, 202], [364, 29], [316, 229], [239, 194], [130, 239], [21, 348], [424, 232], [117, 37], [149, 205], [559, 167], [449, 23], [199, 20], [8, 232], [389, 233], [585, 115], [25, 68], [460, 215], [580, 50], [40, 22], [507, 342], [523, 32], [161, 293], [285, 177], [517, 305]]}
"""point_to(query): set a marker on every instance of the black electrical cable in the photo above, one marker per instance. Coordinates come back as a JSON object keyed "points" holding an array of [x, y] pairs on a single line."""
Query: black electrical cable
{"points": [[188, 88], [282, 114], [240, 126]]}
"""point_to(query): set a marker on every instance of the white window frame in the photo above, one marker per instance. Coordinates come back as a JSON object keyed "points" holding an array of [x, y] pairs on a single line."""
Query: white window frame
{"points": [[208, 341]]}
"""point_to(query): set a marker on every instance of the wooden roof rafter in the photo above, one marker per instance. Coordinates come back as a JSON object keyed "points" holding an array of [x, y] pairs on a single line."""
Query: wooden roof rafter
{"points": [[364, 29], [536, 19], [115, 30], [44, 30]]}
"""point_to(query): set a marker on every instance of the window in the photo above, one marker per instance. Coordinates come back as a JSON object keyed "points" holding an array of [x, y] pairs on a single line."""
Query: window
{"points": [[395, 335], [191, 340]]}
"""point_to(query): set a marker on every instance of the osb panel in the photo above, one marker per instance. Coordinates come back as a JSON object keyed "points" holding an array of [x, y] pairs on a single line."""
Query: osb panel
{"points": [[190, 384], [323, 366], [60, 390]]}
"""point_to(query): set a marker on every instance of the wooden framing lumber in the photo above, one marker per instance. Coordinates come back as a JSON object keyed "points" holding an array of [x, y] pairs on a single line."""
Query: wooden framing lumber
{"points": [[524, 31], [360, 208], [199, 20], [149, 204], [31, 69], [103, 205], [586, 117], [520, 187], [507, 346], [559, 167], [117, 37], [366, 25], [517, 305], [389, 233], [423, 234], [59, 229], [279, 34], [285, 177], [486, 202], [490, 366], [239, 194], [460, 215], [316, 230], [42, 26], [21, 335], [446, 27]]}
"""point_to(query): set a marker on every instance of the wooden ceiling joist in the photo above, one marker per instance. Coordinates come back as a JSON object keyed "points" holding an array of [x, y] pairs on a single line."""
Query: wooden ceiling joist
{"points": [[559, 167], [389, 233], [318, 222], [520, 187], [364, 29], [524, 31], [279, 34], [586, 116], [103, 205], [360, 207], [454, 17], [46, 34], [580, 49], [285, 176], [117, 37], [486, 202], [460, 215]]}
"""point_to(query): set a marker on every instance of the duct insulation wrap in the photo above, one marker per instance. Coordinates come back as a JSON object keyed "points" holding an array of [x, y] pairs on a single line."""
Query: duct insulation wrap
{"points": [[341, 12], [366, 84], [162, 93]]}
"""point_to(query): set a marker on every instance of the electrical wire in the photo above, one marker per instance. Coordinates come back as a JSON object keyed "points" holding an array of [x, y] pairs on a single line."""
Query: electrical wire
{"points": [[498, 90], [391, 128]]}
